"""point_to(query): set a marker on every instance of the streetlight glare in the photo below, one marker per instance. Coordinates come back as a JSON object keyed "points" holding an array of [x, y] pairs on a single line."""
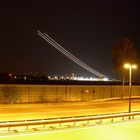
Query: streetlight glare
{"points": [[134, 66], [128, 65]]}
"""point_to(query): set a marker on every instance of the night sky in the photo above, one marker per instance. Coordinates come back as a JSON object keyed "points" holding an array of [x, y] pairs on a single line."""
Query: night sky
{"points": [[86, 29]]}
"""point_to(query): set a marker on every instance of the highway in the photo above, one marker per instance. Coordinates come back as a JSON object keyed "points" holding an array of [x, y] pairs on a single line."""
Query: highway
{"points": [[53, 110], [125, 130]]}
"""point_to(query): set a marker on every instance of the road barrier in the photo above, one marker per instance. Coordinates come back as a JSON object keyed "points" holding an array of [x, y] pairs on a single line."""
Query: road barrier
{"points": [[62, 120]]}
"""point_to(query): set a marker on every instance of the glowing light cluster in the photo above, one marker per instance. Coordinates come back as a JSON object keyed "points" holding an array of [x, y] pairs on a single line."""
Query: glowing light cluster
{"points": [[90, 79], [127, 65]]}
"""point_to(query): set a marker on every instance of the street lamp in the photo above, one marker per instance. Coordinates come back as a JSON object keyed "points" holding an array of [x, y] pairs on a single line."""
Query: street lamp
{"points": [[130, 67]]}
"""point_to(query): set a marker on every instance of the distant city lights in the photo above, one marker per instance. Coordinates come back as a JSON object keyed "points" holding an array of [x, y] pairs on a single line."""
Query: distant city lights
{"points": [[72, 77], [90, 79], [27, 77]]}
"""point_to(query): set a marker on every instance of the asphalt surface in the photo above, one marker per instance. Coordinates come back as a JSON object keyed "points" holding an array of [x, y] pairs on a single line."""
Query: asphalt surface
{"points": [[119, 130], [53, 110]]}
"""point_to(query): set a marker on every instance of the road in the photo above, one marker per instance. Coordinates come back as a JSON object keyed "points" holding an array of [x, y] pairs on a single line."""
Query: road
{"points": [[38, 111], [126, 130]]}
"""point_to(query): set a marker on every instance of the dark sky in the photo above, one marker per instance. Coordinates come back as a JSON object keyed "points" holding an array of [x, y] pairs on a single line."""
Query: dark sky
{"points": [[86, 29]]}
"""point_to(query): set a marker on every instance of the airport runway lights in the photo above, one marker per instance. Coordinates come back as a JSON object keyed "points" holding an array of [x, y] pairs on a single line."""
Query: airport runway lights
{"points": [[130, 67]]}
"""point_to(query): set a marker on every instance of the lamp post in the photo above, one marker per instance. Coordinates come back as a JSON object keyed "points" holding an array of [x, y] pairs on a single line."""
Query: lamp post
{"points": [[130, 67]]}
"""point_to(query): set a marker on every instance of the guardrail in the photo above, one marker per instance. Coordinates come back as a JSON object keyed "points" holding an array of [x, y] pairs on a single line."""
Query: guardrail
{"points": [[74, 119]]}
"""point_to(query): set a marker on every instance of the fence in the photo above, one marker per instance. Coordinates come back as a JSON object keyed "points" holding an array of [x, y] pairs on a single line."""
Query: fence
{"points": [[61, 93]]}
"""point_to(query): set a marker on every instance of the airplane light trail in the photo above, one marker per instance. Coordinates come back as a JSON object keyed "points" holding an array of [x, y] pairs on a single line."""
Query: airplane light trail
{"points": [[68, 54]]}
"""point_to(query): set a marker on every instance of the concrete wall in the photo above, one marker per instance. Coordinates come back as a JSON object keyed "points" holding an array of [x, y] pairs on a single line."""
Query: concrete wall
{"points": [[56, 93]]}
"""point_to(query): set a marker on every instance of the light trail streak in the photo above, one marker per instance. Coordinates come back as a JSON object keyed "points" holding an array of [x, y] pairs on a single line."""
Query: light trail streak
{"points": [[60, 49], [72, 56], [68, 54]]}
